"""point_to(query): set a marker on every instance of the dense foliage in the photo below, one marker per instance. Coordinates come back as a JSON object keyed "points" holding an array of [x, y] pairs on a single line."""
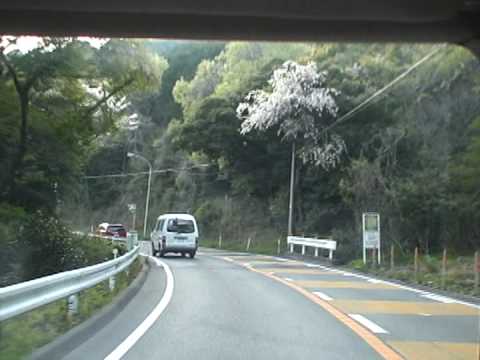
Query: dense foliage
{"points": [[412, 154], [57, 101]]}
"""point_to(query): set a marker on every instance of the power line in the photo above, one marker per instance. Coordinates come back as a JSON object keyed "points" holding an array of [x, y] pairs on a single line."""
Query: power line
{"points": [[367, 102], [160, 171]]}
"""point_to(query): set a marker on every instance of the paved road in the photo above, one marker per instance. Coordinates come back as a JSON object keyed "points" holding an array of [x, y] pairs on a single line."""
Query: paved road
{"points": [[237, 306]]}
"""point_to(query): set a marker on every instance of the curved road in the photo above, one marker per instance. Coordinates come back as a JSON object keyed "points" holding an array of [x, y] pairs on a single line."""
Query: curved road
{"points": [[221, 309]]}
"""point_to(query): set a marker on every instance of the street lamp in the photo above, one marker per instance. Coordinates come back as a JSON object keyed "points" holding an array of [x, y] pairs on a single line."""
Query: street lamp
{"points": [[130, 155]]}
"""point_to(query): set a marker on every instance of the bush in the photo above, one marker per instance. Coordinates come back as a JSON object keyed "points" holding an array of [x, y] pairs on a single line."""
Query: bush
{"points": [[45, 246], [348, 246], [11, 217], [209, 217], [358, 265], [431, 264]]}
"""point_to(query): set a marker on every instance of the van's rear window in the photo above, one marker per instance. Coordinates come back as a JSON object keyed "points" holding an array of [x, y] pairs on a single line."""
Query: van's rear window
{"points": [[182, 226]]}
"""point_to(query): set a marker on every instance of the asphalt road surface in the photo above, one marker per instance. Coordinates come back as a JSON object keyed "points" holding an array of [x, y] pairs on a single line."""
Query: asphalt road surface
{"points": [[227, 305]]}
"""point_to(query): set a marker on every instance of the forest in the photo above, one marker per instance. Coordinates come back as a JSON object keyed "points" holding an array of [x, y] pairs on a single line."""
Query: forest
{"points": [[71, 112]]}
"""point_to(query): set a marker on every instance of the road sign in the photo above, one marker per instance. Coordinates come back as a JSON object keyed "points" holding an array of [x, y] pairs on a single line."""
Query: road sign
{"points": [[371, 234]]}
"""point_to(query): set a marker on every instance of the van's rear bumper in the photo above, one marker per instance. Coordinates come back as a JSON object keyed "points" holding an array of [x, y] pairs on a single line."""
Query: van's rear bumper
{"points": [[178, 249]]}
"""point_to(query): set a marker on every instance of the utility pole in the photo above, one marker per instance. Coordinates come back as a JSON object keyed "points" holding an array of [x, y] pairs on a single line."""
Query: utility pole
{"points": [[130, 154], [292, 185]]}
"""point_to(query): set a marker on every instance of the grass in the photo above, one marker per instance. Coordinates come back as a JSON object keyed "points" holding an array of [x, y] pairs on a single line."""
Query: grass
{"points": [[21, 335], [459, 277], [258, 246]]}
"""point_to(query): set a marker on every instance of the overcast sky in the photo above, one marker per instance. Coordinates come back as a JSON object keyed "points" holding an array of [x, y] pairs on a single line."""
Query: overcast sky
{"points": [[27, 43]]}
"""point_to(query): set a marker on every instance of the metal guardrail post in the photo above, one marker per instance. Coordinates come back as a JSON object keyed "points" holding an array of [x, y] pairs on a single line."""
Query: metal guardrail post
{"points": [[444, 268], [476, 269], [392, 257], [415, 263], [72, 306]]}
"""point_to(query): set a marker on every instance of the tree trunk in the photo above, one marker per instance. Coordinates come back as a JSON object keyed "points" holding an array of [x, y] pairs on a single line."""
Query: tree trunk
{"points": [[16, 169]]}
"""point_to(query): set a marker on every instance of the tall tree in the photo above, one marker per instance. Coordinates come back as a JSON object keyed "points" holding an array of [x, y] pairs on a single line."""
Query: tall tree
{"points": [[299, 105], [70, 81]]}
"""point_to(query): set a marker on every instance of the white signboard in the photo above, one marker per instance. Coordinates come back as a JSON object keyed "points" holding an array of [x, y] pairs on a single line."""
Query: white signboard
{"points": [[371, 234]]}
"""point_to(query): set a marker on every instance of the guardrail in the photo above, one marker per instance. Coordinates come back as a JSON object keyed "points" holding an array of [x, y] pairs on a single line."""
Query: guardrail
{"points": [[93, 235], [19, 298], [328, 244], [131, 240]]}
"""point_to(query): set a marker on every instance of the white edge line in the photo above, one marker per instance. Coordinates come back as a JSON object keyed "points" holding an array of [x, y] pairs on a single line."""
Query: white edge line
{"points": [[131, 339], [439, 298], [323, 296], [288, 279], [405, 287], [370, 325]]}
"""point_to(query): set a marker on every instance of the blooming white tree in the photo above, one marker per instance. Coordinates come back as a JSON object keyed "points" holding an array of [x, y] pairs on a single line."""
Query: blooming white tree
{"points": [[302, 107]]}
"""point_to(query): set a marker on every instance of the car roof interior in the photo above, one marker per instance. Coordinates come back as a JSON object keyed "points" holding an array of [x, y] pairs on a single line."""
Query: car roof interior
{"points": [[454, 21]]}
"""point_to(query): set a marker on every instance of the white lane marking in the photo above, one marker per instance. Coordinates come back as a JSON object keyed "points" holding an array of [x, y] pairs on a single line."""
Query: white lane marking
{"points": [[323, 296], [370, 325], [288, 279], [439, 298], [279, 259], [312, 265], [375, 281], [131, 339], [425, 314]]}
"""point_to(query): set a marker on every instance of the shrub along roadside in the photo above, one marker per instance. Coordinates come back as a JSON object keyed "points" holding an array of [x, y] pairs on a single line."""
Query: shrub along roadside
{"points": [[257, 245], [38, 244], [21, 335]]}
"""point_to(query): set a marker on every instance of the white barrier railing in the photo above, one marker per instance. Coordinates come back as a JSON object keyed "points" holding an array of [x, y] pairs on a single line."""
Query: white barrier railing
{"points": [[330, 245], [19, 298]]}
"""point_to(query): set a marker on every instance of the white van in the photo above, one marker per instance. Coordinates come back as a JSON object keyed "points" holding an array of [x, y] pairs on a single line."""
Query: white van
{"points": [[175, 233]]}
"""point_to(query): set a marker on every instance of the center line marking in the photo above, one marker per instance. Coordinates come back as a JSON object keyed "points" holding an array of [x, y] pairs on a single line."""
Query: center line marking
{"points": [[131, 339], [323, 296], [370, 325]]}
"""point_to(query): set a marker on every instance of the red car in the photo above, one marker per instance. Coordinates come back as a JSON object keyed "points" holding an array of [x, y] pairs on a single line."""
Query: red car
{"points": [[117, 230]]}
